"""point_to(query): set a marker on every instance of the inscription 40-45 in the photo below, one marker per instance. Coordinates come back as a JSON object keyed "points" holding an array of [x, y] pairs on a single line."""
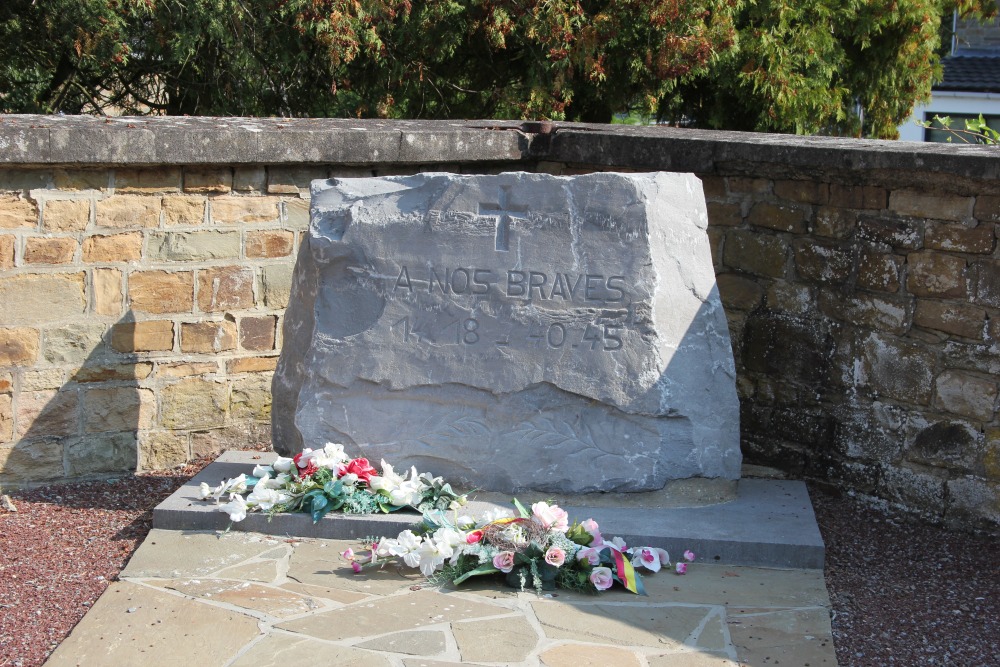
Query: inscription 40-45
{"points": [[468, 331]]}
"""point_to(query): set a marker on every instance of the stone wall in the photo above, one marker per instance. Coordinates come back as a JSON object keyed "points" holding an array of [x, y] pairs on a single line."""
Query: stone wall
{"points": [[144, 267]]}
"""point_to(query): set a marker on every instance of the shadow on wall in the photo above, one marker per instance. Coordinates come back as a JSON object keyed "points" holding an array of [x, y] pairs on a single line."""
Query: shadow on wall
{"points": [[84, 421]]}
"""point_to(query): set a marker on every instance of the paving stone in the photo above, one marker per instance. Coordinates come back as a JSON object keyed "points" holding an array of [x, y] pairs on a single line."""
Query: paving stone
{"points": [[414, 610], [324, 592], [411, 643], [637, 625], [691, 659], [319, 563], [787, 637], [117, 631], [266, 599], [585, 655], [265, 572], [421, 662], [496, 640], [281, 650], [172, 554]]}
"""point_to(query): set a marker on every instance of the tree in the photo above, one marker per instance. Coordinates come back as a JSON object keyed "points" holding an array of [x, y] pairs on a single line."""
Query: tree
{"points": [[805, 66]]}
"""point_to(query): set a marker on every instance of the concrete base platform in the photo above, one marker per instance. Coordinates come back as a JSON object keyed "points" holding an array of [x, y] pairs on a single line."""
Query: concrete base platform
{"points": [[769, 523]]}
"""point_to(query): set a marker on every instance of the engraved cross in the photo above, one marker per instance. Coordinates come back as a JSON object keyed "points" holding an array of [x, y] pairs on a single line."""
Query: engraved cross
{"points": [[503, 212]]}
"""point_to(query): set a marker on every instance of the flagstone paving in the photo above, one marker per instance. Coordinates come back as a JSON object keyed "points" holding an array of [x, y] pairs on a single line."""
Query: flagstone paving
{"points": [[246, 599]]}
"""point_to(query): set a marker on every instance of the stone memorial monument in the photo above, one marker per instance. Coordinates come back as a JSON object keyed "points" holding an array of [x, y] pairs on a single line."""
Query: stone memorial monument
{"points": [[512, 332]]}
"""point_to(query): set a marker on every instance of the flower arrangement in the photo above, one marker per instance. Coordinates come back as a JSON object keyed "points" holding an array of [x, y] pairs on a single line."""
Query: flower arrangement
{"points": [[324, 480], [537, 549]]}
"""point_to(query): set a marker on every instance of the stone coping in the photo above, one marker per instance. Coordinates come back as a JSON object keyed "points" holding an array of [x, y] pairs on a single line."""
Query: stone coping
{"points": [[36, 140], [770, 523]]}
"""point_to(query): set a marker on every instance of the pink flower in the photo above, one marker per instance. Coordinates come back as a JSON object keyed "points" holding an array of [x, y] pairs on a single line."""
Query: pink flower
{"points": [[474, 536], [359, 467], [348, 555], [650, 558], [357, 566], [504, 561], [555, 556], [589, 554], [682, 568], [601, 578], [689, 556], [591, 527], [552, 517]]}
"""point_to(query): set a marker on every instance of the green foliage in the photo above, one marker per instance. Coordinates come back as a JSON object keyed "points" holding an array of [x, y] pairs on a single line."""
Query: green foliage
{"points": [[976, 131], [806, 66]]}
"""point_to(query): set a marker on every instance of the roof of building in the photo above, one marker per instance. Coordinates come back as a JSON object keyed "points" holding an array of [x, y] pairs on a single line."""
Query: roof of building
{"points": [[971, 73]]}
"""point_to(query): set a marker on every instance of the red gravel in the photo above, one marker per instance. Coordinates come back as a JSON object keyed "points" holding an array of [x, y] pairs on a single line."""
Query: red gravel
{"points": [[903, 592]]}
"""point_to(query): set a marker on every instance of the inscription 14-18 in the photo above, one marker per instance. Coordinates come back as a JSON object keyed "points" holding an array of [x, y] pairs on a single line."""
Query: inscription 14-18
{"points": [[469, 331]]}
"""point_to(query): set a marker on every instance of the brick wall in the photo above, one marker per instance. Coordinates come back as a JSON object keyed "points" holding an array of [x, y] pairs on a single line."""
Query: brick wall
{"points": [[141, 297]]}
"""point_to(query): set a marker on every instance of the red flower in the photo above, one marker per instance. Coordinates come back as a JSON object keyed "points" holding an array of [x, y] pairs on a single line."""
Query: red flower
{"points": [[359, 467], [305, 471], [473, 537]]}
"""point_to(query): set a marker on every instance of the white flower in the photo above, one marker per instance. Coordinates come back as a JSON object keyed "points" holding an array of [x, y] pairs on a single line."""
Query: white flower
{"points": [[496, 514], [406, 546], [433, 553], [349, 479], [450, 540], [266, 498], [387, 481], [651, 558], [235, 485], [205, 490], [407, 493], [618, 543], [279, 482], [465, 522], [261, 471], [282, 464], [236, 508]]}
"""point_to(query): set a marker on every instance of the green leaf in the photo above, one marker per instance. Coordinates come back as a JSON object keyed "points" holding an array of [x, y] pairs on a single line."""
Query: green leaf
{"points": [[319, 506], [486, 568], [520, 509], [334, 488]]}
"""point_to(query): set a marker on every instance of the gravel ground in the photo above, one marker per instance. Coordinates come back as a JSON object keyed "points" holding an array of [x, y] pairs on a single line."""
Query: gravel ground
{"points": [[903, 592]]}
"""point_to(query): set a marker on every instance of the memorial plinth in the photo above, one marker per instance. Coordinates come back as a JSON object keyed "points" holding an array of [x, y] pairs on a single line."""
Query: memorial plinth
{"points": [[510, 332]]}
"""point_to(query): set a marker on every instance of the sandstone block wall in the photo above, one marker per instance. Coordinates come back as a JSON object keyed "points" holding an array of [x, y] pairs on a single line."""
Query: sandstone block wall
{"points": [[142, 287]]}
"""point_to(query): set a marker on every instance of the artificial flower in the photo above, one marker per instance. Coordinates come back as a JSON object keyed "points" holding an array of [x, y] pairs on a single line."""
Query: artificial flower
{"points": [[261, 471], [618, 543], [358, 467], [650, 558], [689, 556], [205, 490], [601, 578], [504, 561], [282, 464], [591, 527], [236, 508], [407, 547], [555, 556], [551, 517], [590, 554], [682, 568], [474, 537]]}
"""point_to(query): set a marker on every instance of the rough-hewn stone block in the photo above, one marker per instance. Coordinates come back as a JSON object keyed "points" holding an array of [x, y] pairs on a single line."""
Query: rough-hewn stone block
{"points": [[31, 460], [250, 179], [193, 246], [128, 211], [738, 292], [269, 243], [183, 210], [18, 346], [987, 208], [208, 180], [6, 421], [114, 452], [205, 337], [897, 369], [858, 196], [739, 184], [296, 213], [973, 502], [108, 295], [966, 395], [72, 343], [47, 413], [161, 291], [185, 369], [43, 250], [251, 365], [936, 274], [243, 210], [822, 262], [193, 403], [148, 336], [755, 253], [871, 311], [913, 488], [6, 382], [225, 288], [8, 244], [834, 223], [276, 281], [809, 192], [988, 282], [62, 294], [148, 181], [951, 317], [792, 298], [40, 380], [879, 270], [714, 187], [778, 217], [113, 372], [81, 179], [125, 247], [257, 333], [251, 397], [902, 234], [957, 238], [17, 213], [931, 205], [724, 215], [290, 180], [109, 409], [159, 450], [66, 215]]}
